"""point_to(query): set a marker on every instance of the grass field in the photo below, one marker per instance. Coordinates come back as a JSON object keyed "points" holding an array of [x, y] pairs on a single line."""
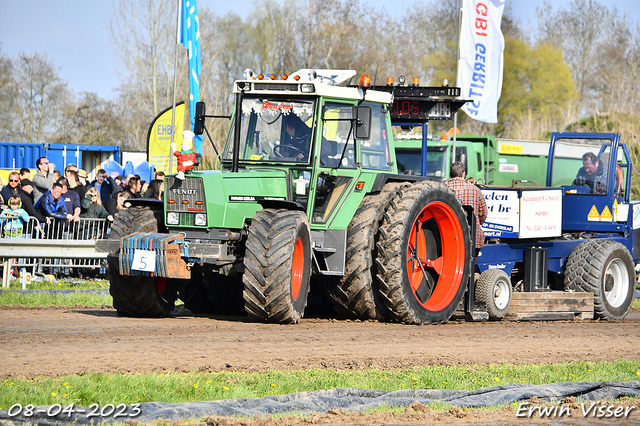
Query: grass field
{"points": [[102, 389]]}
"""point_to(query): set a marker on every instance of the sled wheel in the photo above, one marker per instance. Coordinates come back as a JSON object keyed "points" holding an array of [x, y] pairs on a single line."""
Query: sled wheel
{"points": [[494, 288], [277, 266], [604, 268], [424, 254]]}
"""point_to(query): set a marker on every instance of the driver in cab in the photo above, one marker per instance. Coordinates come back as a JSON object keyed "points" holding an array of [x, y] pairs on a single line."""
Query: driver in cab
{"points": [[295, 143], [593, 174]]}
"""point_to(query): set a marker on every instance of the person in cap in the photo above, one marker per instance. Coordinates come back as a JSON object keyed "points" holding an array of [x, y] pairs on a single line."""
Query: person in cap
{"points": [[82, 178], [26, 195], [186, 157]]}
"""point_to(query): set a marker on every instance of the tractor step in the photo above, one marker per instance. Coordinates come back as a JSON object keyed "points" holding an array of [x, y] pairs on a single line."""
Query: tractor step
{"points": [[550, 306]]}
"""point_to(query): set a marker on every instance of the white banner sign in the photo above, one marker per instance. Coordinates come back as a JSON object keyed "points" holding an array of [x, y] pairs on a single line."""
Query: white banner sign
{"points": [[481, 58], [541, 213], [503, 218]]}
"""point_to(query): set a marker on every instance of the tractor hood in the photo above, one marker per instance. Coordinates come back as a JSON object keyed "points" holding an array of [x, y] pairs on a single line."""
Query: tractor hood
{"points": [[227, 199]]}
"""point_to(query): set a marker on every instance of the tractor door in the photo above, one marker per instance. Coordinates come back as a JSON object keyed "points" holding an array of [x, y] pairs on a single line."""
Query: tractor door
{"points": [[335, 169]]}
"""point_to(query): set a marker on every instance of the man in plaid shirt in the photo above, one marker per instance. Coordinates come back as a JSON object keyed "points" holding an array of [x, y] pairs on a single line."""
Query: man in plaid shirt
{"points": [[469, 195]]}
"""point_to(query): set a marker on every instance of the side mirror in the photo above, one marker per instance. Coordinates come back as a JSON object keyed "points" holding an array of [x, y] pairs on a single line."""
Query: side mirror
{"points": [[198, 125], [363, 122]]}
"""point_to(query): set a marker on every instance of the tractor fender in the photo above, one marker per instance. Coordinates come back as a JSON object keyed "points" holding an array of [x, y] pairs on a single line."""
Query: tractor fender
{"points": [[382, 179], [281, 204]]}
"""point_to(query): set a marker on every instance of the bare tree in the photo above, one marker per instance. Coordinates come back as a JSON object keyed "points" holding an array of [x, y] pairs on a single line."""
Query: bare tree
{"points": [[143, 33], [92, 121], [7, 118], [581, 32], [39, 96]]}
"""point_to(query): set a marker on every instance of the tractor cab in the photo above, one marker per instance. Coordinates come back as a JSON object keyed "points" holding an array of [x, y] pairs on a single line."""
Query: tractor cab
{"points": [[594, 172]]}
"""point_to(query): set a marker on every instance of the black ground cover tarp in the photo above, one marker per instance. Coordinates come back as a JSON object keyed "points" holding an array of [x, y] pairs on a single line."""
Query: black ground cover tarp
{"points": [[348, 399]]}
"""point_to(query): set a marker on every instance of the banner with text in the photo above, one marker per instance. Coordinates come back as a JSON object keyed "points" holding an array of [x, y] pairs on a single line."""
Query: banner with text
{"points": [[190, 38], [481, 58], [159, 138]]}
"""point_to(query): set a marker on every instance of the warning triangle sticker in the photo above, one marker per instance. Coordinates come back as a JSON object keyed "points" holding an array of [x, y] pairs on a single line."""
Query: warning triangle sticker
{"points": [[593, 214], [606, 215]]}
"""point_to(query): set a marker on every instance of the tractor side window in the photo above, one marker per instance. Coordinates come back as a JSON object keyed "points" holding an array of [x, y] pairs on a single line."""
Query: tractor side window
{"points": [[328, 192], [409, 161], [337, 136], [374, 152]]}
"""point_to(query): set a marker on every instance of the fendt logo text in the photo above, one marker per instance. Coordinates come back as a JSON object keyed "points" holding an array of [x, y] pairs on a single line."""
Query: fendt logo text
{"points": [[184, 191]]}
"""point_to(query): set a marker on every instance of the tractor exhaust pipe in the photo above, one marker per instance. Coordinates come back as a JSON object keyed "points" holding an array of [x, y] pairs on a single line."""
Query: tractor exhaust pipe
{"points": [[237, 121]]}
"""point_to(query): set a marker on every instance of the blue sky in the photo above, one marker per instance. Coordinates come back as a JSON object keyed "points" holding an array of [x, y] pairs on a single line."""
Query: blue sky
{"points": [[74, 34]]}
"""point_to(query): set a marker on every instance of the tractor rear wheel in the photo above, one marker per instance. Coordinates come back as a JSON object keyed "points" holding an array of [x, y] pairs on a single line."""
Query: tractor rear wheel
{"points": [[604, 268], [424, 254], [356, 294], [138, 296], [277, 266], [494, 288]]}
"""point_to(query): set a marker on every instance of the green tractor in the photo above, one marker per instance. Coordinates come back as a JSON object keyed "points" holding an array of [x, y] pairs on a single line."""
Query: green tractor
{"points": [[308, 189]]}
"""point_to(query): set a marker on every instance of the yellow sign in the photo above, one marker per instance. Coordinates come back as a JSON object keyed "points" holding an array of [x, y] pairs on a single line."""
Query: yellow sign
{"points": [[159, 138], [593, 214], [606, 215], [509, 148]]}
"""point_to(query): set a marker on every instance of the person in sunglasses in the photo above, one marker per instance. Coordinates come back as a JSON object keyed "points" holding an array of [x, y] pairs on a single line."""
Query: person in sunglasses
{"points": [[12, 187], [43, 180]]}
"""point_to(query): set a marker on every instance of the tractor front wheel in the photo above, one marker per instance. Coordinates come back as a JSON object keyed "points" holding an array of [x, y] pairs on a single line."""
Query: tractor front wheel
{"points": [[140, 296], [277, 266]]}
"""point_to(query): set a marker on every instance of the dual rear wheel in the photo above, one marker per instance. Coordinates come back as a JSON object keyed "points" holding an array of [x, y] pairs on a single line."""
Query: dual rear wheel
{"points": [[408, 258]]}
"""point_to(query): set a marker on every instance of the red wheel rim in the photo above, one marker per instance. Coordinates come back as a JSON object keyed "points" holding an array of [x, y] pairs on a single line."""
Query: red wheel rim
{"points": [[297, 268], [161, 284], [449, 266]]}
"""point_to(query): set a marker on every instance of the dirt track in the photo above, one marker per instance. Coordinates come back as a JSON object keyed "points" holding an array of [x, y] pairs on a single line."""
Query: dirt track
{"points": [[56, 341], [97, 340]]}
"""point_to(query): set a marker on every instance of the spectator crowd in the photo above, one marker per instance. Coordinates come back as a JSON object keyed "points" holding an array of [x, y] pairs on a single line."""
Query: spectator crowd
{"points": [[57, 201]]}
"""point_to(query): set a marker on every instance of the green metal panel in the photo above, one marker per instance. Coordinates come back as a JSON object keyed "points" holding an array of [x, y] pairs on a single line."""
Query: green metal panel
{"points": [[224, 192]]}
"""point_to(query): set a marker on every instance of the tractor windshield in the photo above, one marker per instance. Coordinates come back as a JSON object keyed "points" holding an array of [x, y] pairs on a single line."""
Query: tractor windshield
{"points": [[275, 130], [581, 162]]}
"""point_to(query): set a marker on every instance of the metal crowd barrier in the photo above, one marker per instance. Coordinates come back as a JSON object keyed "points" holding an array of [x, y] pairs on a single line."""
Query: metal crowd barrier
{"points": [[58, 245]]}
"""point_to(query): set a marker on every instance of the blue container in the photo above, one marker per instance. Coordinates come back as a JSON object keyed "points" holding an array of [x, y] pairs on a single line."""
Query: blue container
{"points": [[87, 157], [14, 155]]}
